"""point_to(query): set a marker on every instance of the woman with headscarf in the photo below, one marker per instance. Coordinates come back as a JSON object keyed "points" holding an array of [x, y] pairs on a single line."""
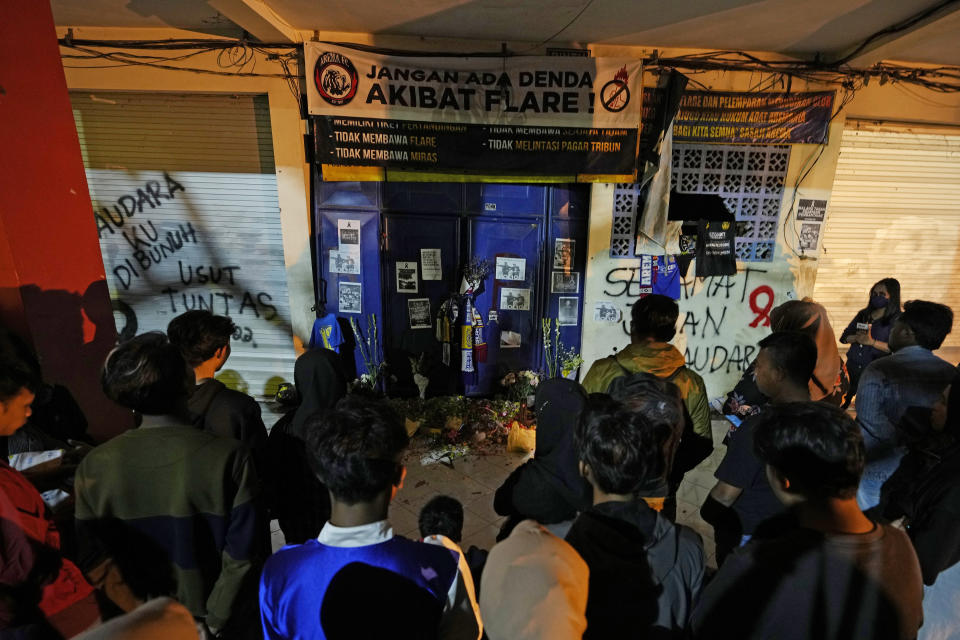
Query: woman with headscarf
{"points": [[868, 332], [301, 503], [925, 493], [548, 488], [829, 382]]}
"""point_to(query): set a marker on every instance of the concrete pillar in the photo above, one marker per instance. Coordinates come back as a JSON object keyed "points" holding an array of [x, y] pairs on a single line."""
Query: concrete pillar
{"points": [[52, 285]]}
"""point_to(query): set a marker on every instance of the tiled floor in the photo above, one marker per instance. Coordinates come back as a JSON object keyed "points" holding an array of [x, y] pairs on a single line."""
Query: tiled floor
{"points": [[473, 479]]}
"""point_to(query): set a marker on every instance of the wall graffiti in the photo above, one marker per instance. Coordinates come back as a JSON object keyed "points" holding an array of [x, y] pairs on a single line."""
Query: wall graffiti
{"points": [[222, 302], [162, 265], [763, 315], [149, 246], [715, 310], [131, 204]]}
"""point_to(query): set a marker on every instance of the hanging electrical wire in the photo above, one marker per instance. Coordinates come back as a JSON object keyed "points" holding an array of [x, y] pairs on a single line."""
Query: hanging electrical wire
{"points": [[807, 168], [234, 58], [238, 57]]}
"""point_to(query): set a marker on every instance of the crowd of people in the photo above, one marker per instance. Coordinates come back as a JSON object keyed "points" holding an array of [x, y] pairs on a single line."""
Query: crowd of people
{"points": [[826, 525]]}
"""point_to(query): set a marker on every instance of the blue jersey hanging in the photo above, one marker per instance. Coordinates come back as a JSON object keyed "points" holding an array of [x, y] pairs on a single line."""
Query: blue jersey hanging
{"points": [[666, 281]]}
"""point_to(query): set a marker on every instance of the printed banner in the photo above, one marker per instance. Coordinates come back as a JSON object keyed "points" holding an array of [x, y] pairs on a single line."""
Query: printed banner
{"points": [[726, 117], [437, 146], [514, 91], [523, 114]]}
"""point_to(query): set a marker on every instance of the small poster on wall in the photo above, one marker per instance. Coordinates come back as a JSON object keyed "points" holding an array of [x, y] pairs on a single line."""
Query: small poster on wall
{"points": [[812, 210], [567, 312], [511, 268], [563, 253], [344, 262], [515, 299], [430, 264], [605, 311], [564, 282], [349, 297], [349, 235], [419, 310], [407, 281], [809, 236]]}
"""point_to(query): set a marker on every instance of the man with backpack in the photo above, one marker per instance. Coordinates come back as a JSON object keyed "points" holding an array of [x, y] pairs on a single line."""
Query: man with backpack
{"points": [[653, 323]]}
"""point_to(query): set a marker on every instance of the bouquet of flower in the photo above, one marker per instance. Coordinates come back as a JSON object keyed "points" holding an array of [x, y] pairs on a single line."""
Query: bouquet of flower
{"points": [[369, 346], [489, 420], [561, 360], [570, 361], [520, 385]]}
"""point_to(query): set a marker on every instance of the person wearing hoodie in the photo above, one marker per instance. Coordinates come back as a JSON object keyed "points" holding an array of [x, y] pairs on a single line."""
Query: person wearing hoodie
{"points": [[645, 572], [653, 323], [301, 503], [204, 341], [548, 488]]}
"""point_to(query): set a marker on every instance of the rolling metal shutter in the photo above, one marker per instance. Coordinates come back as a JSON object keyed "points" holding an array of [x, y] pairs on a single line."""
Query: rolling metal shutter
{"points": [[185, 195], [894, 212]]}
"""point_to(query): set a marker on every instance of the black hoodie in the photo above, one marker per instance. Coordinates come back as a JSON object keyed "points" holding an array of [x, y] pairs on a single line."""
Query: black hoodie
{"points": [[549, 487], [645, 572], [227, 413]]}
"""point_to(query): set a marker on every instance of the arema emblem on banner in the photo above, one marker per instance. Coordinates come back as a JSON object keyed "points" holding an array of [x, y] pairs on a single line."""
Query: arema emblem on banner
{"points": [[335, 78]]}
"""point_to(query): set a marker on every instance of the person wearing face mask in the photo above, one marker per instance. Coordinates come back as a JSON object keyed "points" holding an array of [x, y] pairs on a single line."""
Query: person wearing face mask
{"points": [[869, 331]]}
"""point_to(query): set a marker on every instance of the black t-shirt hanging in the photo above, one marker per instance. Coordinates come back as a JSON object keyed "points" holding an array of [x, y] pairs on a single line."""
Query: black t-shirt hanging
{"points": [[715, 253]]}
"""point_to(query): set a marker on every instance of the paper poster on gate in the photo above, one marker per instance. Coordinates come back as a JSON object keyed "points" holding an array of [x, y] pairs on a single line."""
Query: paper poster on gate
{"points": [[407, 280], [419, 311], [430, 268], [349, 297], [348, 233], [563, 249], [344, 262], [568, 311], [517, 91], [511, 268], [514, 299]]}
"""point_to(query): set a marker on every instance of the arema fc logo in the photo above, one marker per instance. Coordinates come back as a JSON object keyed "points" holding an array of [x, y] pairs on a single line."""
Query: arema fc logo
{"points": [[335, 78]]}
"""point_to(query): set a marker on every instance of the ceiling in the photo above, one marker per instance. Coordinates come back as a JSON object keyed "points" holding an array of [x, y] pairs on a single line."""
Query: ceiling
{"points": [[802, 28]]}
